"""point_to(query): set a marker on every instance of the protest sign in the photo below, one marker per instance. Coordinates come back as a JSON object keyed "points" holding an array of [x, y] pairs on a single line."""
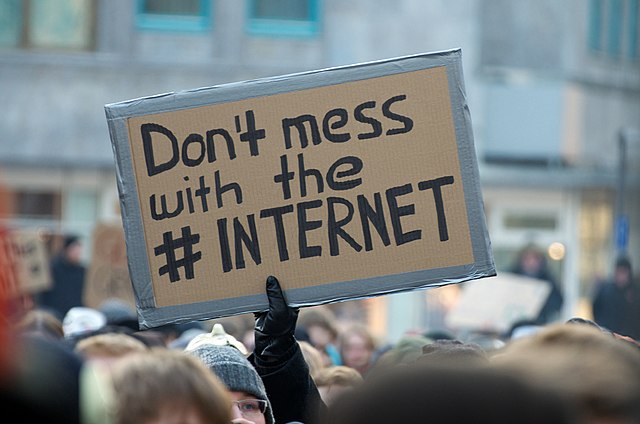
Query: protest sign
{"points": [[9, 285], [25, 262], [345, 183], [108, 272], [495, 304]]}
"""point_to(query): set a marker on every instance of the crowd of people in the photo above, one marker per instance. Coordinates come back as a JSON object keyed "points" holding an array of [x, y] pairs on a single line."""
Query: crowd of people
{"points": [[290, 365]]}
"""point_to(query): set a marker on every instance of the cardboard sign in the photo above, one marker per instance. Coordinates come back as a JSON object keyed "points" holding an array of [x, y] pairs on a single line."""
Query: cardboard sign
{"points": [[496, 303], [108, 273], [9, 285], [344, 183], [25, 259]]}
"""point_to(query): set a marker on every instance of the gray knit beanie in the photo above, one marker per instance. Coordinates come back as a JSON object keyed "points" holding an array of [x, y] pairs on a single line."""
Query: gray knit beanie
{"points": [[235, 371]]}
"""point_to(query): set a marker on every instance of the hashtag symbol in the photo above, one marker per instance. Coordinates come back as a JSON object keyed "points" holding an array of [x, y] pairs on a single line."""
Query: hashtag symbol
{"points": [[169, 247]]}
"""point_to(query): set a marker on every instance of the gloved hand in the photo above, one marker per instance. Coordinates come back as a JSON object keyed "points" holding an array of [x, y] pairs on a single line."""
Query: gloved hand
{"points": [[274, 329]]}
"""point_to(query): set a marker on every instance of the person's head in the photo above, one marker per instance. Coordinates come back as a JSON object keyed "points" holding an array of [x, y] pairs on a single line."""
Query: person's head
{"points": [[320, 325], [622, 272], [405, 351], [335, 380], [109, 346], [217, 337], [72, 248], [118, 312], [43, 384], [592, 369], [531, 260], [81, 320], [523, 327], [357, 347], [39, 321], [164, 386], [247, 390], [418, 392], [454, 352], [584, 321]]}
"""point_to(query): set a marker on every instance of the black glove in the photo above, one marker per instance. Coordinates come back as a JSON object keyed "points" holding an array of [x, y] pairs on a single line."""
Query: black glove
{"points": [[274, 329]]}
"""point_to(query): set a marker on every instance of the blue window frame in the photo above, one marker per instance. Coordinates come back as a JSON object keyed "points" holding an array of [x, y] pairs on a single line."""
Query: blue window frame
{"points": [[595, 24], [10, 23], [174, 15], [613, 28], [290, 18], [634, 16]]}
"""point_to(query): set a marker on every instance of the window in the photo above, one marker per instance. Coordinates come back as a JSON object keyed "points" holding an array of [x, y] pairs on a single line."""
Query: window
{"points": [[64, 24], [37, 205], [613, 28], [529, 221], [174, 15], [284, 17]]}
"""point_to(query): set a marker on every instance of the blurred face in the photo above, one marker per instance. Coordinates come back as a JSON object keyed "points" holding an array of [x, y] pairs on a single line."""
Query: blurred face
{"points": [[74, 252], [531, 263], [356, 352], [320, 337], [244, 411], [622, 277]]}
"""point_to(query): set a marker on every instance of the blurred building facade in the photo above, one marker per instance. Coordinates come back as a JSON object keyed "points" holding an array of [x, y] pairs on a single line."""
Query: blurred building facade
{"points": [[553, 88]]}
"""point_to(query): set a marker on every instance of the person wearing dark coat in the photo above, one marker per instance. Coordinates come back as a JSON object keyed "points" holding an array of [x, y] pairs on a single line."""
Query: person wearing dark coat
{"points": [[616, 303], [278, 358], [67, 275], [275, 373], [532, 262]]}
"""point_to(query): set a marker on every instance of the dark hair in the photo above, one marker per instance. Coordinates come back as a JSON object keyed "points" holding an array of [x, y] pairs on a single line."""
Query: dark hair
{"points": [[447, 395], [623, 262], [69, 240]]}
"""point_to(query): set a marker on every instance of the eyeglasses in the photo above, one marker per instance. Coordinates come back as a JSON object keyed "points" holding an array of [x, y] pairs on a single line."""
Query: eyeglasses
{"points": [[251, 407]]}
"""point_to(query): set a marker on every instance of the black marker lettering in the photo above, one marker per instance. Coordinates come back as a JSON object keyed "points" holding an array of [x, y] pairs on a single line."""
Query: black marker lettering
{"points": [[276, 214], [386, 111], [242, 238], [356, 167], [334, 227], [304, 226], [299, 123], [436, 185], [398, 212], [376, 127], [342, 120], [147, 144], [376, 217]]}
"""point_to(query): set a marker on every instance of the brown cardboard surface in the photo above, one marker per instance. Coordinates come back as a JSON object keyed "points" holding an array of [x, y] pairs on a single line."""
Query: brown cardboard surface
{"points": [[428, 151], [30, 260], [108, 274], [8, 279]]}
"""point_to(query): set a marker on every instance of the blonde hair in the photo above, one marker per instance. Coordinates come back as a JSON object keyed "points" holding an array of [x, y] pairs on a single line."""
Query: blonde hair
{"points": [[148, 385], [109, 345], [312, 356], [42, 322], [358, 330], [338, 374], [597, 372]]}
